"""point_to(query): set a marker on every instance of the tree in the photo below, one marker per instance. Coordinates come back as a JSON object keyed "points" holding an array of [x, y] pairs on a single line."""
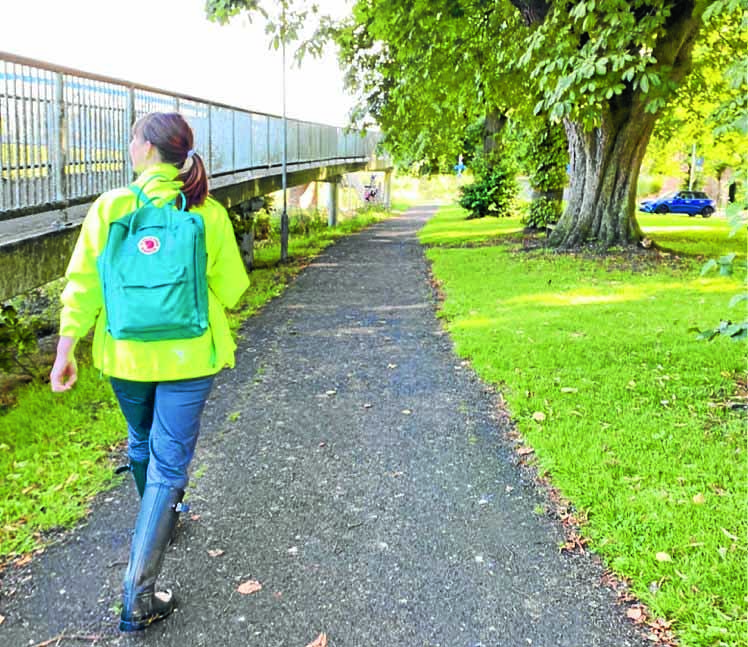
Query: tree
{"points": [[423, 71], [420, 71], [603, 68], [606, 68]]}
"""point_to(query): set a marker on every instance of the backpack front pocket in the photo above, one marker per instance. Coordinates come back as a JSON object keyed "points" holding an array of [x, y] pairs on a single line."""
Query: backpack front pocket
{"points": [[149, 308]]}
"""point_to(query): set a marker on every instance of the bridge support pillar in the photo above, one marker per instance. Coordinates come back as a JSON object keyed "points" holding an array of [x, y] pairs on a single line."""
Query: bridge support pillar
{"points": [[387, 196], [332, 201], [246, 229]]}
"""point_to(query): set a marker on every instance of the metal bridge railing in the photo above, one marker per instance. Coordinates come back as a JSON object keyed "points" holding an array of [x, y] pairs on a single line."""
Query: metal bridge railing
{"points": [[64, 135]]}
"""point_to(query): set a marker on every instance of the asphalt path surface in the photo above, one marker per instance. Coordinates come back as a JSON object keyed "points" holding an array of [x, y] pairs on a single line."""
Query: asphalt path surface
{"points": [[360, 472]]}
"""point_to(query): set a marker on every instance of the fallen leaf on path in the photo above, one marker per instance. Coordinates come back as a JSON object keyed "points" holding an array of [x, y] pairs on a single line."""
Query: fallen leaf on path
{"points": [[524, 451], [538, 416], [249, 587], [574, 544], [635, 613], [216, 553], [2, 619], [321, 641], [663, 557]]}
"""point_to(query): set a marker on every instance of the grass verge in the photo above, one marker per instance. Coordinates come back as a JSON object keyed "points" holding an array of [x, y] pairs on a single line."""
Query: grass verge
{"points": [[627, 413], [55, 454], [57, 450]]}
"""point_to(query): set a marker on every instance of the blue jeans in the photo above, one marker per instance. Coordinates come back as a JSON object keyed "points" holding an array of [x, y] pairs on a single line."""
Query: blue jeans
{"points": [[163, 422]]}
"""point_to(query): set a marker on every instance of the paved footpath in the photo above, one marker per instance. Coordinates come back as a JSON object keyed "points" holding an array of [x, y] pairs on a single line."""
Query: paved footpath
{"points": [[360, 473]]}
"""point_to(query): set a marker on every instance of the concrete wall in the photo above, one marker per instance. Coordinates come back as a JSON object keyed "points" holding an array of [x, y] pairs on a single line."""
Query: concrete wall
{"points": [[32, 262]]}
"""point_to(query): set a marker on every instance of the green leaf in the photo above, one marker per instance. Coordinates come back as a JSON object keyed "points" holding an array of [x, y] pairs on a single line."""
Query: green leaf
{"points": [[578, 11]]}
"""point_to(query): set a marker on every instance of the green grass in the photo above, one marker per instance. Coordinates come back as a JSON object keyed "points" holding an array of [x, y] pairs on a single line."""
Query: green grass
{"points": [[452, 229], [54, 455], [57, 450], [636, 433], [694, 236]]}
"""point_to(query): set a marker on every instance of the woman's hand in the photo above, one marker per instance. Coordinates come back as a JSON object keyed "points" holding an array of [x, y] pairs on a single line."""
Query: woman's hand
{"points": [[65, 369]]}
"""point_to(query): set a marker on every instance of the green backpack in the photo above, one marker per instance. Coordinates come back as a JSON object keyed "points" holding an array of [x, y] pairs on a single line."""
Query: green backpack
{"points": [[153, 273]]}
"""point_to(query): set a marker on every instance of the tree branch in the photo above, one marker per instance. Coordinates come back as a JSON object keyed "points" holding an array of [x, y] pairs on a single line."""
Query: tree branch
{"points": [[533, 11]]}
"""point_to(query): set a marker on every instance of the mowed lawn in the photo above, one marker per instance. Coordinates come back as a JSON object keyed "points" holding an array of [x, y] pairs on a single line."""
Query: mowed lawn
{"points": [[633, 419]]}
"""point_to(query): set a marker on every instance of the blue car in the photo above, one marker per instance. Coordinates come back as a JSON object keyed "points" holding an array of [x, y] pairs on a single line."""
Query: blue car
{"points": [[690, 202]]}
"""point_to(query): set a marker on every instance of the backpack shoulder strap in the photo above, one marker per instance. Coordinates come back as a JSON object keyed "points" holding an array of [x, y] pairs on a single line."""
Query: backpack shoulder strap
{"points": [[141, 195]]}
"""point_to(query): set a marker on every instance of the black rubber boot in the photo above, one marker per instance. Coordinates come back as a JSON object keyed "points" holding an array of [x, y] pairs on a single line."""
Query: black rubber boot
{"points": [[156, 520], [139, 474]]}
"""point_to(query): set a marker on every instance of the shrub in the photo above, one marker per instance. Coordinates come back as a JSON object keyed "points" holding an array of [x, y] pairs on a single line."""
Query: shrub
{"points": [[17, 343], [304, 224], [649, 185], [543, 212], [263, 225], [493, 192], [548, 158]]}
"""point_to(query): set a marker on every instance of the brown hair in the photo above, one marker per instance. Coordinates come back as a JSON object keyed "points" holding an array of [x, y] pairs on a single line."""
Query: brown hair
{"points": [[172, 136]]}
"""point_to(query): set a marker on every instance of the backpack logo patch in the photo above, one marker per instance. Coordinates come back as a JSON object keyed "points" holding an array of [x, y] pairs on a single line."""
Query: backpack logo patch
{"points": [[149, 245]]}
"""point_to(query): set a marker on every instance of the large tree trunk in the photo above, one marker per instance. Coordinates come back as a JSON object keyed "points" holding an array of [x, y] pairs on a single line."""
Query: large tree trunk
{"points": [[492, 126], [604, 171], [605, 161]]}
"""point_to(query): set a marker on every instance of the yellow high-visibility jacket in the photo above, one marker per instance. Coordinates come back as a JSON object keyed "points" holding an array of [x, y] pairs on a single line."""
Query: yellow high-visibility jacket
{"points": [[153, 361]]}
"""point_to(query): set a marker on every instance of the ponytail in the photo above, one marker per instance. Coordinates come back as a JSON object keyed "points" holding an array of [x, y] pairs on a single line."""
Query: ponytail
{"points": [[194, 181]]}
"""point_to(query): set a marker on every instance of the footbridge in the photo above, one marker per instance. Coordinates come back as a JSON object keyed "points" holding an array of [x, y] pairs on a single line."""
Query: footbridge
{"points": [[64, 138]]}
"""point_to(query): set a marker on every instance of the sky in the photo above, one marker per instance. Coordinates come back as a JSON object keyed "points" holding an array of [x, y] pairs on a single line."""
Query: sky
{"points": [[170, 45]]}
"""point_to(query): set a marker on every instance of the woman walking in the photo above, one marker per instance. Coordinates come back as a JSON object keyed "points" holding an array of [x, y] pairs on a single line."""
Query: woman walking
{"points": [[161, 379]]}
